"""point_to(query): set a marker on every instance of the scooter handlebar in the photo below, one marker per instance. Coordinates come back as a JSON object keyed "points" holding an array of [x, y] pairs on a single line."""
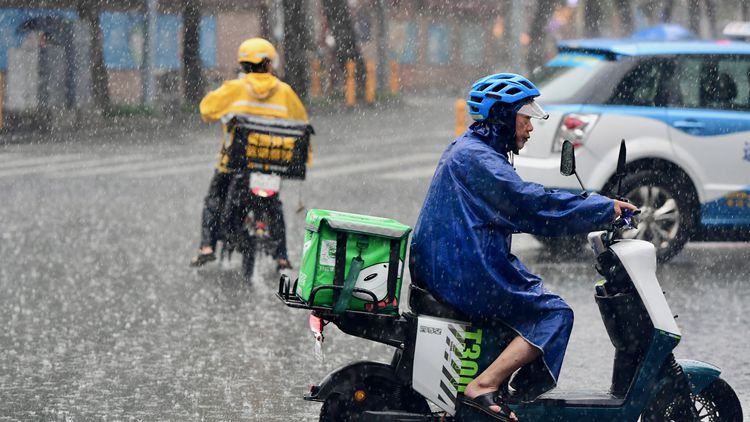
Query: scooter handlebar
{"points": [[628, 219]]}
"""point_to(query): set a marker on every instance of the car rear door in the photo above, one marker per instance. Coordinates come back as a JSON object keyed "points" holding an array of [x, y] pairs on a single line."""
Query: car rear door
{"points": [[634, 110], [709, 126]]}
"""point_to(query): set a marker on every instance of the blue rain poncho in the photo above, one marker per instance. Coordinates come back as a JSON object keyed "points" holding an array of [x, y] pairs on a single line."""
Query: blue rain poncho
{"points": [[461, 245]]}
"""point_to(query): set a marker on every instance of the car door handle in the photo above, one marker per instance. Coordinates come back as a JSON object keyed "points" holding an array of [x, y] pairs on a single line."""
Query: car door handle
{"points": [[688, 124]]}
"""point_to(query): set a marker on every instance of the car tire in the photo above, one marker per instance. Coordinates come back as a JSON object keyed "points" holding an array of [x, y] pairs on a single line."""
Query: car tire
{"points": [[669, 209]]}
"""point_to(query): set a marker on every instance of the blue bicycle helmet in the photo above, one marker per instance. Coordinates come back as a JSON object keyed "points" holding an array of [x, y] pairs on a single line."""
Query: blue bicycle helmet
{"points": [[503, 88]]}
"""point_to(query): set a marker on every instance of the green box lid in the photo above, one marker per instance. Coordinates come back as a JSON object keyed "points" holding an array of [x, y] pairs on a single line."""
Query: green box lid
{"points": [[356, 223]]}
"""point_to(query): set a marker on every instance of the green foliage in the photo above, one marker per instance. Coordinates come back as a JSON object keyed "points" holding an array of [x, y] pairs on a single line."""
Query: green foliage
{"points": [[190, 108], [125, 110]]}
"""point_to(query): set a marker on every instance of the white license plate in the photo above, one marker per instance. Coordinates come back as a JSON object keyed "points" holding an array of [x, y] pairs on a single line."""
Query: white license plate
{"points": [[265, 181]]}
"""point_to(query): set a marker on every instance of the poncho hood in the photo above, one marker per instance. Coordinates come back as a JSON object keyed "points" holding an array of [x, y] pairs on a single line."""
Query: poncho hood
{"points": [[261, 85]]}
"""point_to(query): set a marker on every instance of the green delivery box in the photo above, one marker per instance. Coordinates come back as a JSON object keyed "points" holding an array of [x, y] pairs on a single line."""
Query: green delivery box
{"points": [[352, 262]]}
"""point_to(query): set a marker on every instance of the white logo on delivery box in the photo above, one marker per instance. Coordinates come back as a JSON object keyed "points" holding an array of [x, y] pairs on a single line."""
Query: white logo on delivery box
{"points": [[328, 253]]}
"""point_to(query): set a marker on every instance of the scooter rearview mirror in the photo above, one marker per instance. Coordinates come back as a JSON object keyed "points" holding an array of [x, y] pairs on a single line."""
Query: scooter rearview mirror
{"points": [[621, 160], [620, 172], [568, 162], [567, 159]]}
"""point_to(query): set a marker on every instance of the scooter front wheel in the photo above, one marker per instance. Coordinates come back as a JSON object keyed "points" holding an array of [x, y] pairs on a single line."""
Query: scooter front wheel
{"points": [[716, 402]]}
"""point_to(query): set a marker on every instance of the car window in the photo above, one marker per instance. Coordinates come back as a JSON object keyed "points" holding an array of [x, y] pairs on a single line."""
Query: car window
{"points": [[649, 84], [568, 74], [713, 82]]}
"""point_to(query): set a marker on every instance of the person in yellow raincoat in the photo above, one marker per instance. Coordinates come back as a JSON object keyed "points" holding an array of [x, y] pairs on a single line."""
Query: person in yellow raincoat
{"points": [[257, 93]]}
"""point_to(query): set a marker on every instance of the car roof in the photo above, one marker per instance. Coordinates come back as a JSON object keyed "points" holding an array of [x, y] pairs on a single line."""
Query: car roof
{"points": [[629, 47]]}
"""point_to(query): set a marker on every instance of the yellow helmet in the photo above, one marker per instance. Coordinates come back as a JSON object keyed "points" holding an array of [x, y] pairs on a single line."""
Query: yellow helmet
{"points": [[254, 50]]}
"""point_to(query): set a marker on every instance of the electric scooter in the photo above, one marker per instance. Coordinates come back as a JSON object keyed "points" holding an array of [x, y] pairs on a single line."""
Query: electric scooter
{"points": [[438, 353], [252, 218], [262, 152]]}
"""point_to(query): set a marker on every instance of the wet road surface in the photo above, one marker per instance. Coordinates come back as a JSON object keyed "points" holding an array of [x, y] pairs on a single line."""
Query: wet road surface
{"points": [[101, 318]]}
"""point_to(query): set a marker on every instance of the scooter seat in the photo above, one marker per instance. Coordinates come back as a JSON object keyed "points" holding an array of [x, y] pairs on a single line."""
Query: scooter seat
{"points": [[423, 302]]}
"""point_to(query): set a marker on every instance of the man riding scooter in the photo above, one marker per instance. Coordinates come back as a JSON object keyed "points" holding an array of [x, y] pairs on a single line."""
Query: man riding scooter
{"points": [[258, 93], [461, 245]]}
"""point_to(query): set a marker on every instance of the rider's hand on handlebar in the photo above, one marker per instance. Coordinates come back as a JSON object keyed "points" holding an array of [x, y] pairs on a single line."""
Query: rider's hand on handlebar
{"points": [[622, 205]]}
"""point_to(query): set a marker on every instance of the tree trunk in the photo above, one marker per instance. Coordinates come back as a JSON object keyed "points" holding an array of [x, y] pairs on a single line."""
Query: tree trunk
{"points": [[711, 16], [296, 40], [592, 18], [382, 47], [694, 12], [542, 15], [265, 21], [191, 60], [625, 14], [89, 11], [346, 47], [666, 15]]}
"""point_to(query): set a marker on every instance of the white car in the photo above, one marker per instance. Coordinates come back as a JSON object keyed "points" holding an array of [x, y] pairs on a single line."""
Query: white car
{"points": [[683, 109]]}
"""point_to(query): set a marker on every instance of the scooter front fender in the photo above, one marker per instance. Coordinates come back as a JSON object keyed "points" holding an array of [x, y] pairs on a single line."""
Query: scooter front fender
{"points": [[699, 374], [348, 379]]}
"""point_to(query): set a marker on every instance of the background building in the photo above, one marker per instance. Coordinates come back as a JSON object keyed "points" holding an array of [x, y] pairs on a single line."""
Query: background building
{"points": [[46, 46]]}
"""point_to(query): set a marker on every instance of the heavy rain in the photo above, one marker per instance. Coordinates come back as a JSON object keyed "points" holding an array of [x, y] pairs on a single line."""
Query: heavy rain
{"points": [[114, 138]]}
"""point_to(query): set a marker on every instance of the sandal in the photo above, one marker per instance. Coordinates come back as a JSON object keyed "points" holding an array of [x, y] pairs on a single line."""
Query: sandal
{"points": [[202, 259], [483, 402]]}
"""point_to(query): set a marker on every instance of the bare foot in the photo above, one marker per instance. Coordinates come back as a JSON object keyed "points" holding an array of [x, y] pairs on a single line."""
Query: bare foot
{"points": [[473, 390], [283, 264]]}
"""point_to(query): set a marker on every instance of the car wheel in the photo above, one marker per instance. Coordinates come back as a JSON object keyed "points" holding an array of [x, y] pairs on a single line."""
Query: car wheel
{"points": [[669, 210]]}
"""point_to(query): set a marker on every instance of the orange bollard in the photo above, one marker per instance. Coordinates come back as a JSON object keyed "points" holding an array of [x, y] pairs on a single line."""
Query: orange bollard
{"points": [[351, 88], [395, 79], [460, 106], [370, 83], [315, 89]]}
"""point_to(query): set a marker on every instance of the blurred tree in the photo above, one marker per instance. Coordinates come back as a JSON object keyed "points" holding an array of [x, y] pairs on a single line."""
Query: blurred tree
{"points": [[538, 32], [694, 14], [625, 14], [265, 21], [89, 11], [346, 47], [191, 60], [666, 13], [296, 43], [592, 18]]}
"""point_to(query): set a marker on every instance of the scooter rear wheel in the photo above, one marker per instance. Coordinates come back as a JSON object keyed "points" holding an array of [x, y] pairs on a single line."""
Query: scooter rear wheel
{"points": [[717, 402], [248, 260], [338, 408]]}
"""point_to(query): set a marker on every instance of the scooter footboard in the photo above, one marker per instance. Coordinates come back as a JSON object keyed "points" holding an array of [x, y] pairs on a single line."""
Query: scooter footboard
{"points": [[699, 374]]}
